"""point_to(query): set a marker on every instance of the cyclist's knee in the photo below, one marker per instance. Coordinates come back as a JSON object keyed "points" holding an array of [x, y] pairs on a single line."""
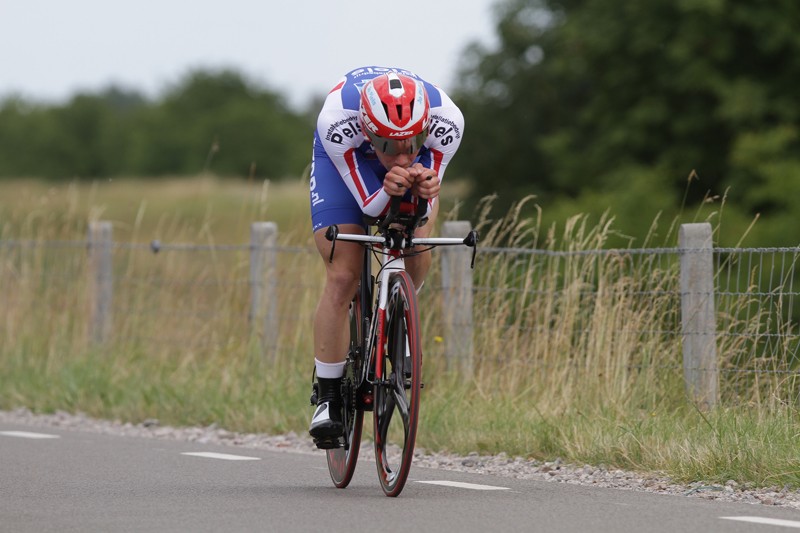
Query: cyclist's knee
{"points": [[343, 278], [342, 283]]}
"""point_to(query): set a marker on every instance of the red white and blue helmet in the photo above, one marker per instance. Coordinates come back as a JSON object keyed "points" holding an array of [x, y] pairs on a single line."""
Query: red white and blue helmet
{"points": [[395, 113]]}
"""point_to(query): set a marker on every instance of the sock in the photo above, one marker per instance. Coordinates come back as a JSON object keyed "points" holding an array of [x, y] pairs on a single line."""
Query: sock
{"points": [[329, 370]]}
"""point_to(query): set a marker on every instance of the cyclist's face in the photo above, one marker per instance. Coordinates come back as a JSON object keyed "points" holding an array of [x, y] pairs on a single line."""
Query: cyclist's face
{"points": [[403, 160]]}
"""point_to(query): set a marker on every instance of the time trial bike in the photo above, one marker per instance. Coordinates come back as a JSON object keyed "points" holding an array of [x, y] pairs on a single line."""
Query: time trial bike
{"points": [[383, 369]]}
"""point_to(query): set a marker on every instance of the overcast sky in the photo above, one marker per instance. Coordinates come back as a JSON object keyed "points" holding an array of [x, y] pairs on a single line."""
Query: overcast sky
{"points": [[50, 49]]}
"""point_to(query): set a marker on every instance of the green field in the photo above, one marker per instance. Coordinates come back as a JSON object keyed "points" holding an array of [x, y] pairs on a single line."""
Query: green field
{"points": [[187, 356]]}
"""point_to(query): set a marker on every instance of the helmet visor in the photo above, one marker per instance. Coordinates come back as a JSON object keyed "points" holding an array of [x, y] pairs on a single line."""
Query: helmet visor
{"points": [[409, 145]]}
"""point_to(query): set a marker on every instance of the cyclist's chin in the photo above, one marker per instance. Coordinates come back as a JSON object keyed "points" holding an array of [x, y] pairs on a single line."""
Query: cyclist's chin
{"points": [[399, 160]]}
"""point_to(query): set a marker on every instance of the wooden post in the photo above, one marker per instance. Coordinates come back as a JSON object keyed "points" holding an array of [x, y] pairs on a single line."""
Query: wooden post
{"points": [[263, 287], [698, 320], [100, 244], [457, 299]]}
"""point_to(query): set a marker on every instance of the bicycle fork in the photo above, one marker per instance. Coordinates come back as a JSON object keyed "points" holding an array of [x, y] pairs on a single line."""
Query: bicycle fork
{"points": [[378, 334]]}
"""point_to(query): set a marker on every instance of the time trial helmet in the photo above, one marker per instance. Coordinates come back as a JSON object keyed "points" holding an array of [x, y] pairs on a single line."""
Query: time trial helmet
{"points": [[395, 113]]}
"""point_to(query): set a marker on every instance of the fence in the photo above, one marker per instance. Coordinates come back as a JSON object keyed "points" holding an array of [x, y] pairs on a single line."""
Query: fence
{"points": [[720, 320]]}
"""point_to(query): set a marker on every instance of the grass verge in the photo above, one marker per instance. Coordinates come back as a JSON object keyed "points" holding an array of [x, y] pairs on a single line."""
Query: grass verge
{"points": [[563, 367]]}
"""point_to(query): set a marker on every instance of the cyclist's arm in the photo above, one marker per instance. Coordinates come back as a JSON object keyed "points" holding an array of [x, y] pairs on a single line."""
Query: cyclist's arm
{"points": [[446, 132], [340, 137]]}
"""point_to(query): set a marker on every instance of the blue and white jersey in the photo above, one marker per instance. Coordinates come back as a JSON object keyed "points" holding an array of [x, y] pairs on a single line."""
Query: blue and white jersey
{"points": [[338, 139]]}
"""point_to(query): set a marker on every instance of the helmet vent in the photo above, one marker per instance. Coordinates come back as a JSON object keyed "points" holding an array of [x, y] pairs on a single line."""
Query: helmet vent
{"points": [[394, 83]]}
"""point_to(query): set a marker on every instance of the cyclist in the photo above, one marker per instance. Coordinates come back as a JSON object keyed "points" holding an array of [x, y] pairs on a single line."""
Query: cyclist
{"points": [[382, 132]]}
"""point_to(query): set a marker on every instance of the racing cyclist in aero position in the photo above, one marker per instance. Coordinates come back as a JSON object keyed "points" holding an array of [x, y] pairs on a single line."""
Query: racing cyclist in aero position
{"points": [[382, 132]]}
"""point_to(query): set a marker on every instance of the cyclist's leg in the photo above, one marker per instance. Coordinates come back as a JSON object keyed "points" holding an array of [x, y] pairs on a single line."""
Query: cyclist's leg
{"points": [[332, 203], [419, 265], [331, 336], [341, 280]]}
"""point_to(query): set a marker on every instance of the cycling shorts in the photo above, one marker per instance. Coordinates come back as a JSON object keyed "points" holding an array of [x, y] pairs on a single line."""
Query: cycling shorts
{"points": [[331, 200]]}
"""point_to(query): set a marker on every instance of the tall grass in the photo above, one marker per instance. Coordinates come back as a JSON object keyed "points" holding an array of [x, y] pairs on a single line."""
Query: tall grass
{"points": [[568, 326], [576, 354]]}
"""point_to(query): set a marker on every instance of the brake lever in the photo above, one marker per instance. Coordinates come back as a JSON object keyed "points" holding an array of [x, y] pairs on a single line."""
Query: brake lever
{"points": [[471, 240], [331, 234]]}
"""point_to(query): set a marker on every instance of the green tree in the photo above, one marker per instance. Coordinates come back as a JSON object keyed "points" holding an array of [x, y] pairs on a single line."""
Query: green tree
{"points": [[209, 121], [25, 134], [83, 138], [222, 122], [585, 97]]}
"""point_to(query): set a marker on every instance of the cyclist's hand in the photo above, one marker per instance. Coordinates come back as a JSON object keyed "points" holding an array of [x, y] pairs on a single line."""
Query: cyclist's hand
{"points": [[426, 182], [398, 181]]}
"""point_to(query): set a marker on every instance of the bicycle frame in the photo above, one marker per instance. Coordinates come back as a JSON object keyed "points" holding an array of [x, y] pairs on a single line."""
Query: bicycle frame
{"points": [[385, 376], [393, 244]]}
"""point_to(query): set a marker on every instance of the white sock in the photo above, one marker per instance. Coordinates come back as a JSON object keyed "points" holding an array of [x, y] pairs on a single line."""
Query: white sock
{"points": [[329, 370]]}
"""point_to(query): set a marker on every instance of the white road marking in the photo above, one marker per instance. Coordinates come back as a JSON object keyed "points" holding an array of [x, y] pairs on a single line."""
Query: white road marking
{"points": [[227, 457], [766, 521], [460, 485], [29, 435]]}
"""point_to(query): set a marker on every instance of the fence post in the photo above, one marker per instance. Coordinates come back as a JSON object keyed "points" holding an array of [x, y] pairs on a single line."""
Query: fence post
{"points": [[263, 297], [100, 244], [698, 320], [457, 299]]}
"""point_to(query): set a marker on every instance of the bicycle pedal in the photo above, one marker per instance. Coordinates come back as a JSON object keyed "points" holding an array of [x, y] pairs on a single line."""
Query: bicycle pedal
{"points": [[328, 443]]}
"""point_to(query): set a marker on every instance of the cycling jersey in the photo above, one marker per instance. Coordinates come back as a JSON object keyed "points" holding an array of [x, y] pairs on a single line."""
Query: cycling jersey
{"points": [[346, 176]]}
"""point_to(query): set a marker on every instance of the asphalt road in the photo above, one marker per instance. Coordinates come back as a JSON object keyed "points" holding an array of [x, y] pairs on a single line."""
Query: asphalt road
{"points": [[63, 480]]}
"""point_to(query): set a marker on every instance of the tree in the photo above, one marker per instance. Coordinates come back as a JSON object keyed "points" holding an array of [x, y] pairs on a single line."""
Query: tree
{"points": [[209, 121], [25, 134], [583, 96], [222, 122], [83, 138]]}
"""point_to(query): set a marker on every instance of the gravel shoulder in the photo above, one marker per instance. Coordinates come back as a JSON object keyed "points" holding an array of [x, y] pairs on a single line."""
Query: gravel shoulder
{"points": [[498, 465]]}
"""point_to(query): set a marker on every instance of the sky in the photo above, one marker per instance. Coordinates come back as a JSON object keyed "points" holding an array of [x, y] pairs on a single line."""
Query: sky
{"points": [[52, 49]]}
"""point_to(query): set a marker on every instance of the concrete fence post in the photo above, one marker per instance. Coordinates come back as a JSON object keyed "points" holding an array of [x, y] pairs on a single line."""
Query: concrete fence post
{"points": [[263, 285], [100, 245], [698, 320], [457, 299]]}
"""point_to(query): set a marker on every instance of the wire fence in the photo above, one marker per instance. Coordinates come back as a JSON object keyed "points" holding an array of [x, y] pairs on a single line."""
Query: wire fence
{"points": [[625, 306], [613, 316]]}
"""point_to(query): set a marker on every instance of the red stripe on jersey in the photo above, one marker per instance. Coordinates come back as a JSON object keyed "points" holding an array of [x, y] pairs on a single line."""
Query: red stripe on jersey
{"points": [[374, 195], [337, 87], [436, 157], [349, 157]]}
